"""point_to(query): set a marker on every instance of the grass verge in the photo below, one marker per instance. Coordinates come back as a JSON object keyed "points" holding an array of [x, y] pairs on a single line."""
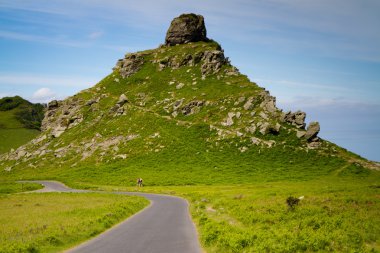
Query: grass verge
{"points": [[7, 187], [334, 215], [50, 222]]}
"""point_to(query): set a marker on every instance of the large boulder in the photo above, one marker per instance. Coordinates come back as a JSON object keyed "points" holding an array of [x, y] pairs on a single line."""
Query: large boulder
{"points": [[186, 28], [312, 131]]}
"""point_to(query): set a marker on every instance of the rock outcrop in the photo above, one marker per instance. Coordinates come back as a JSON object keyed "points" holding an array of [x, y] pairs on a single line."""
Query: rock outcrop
{"points": [[186, 28], [129, 65], [312, 131], [62, 115], [212, 62], [296, 119]]}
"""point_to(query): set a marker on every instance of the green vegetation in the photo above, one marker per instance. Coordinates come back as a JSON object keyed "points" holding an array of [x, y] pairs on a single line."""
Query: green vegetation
{"points": [[238, 187], [14, 138], [7, 187], [50, 222], [20, 122], [336, 214]]}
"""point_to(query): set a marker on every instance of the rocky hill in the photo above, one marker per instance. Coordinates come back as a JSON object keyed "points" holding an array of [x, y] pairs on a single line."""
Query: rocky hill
{"points": [[178, 114]]}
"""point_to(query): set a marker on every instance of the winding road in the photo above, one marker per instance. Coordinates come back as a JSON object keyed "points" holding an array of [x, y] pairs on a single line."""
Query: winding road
{"points": [[164, 226]]}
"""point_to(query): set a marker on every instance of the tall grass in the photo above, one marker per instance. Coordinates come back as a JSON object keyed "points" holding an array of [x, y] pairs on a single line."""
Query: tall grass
{"points": [[51, 222]]}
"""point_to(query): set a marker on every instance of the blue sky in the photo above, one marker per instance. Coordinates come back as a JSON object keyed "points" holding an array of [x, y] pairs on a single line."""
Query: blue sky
{"points": [[322, 57]]}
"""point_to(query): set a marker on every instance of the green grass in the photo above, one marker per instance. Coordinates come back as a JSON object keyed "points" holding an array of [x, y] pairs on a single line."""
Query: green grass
{"points": [[51, 222], [336, 214], [7, 187], [237, 189], [12, 132], [14, 138]]}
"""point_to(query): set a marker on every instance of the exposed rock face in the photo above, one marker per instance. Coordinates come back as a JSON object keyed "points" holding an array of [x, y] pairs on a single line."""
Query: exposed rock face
{"points": [[129, 65], [296, 119], [62, 115], [186, 28], [212, 62], [312, 131], [269, 103]]}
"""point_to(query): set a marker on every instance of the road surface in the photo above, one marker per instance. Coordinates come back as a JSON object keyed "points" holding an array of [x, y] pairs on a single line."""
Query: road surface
{"points": [[164, 226]]}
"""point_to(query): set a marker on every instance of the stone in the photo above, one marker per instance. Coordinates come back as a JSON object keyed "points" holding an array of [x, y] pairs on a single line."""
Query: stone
{"points": [[297, 119], [180, 86], [192, 107], [251, 129], [129, 65], [186, 28], [255, 141], [91, 102], [249, 104], [212, 62], [268, 103], [53, 105], [300, 134], [122, 100], [312, 131]]}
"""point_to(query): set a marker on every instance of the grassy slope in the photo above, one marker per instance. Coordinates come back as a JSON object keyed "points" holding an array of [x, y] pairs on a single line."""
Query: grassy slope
{"points": [[67, 219], [12, 133], [187, 151]]}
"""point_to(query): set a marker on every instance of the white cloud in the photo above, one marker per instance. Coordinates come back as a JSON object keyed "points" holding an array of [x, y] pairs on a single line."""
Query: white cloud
{"points": [[95, 35], [43, 95], [46, 81]]}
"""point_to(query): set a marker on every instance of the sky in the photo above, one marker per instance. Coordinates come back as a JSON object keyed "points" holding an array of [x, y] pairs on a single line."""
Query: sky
{"points": [[318, 56]]}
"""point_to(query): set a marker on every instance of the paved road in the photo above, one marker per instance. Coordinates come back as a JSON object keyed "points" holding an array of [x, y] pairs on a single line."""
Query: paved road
{"points": [[163, 227]]}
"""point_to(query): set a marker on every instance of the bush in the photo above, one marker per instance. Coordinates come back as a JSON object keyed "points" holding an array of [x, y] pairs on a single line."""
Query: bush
{"points": [[292, 202]]}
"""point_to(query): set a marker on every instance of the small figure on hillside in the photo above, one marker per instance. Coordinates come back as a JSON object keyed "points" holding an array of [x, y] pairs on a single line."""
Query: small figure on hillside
{"points": [[139, 182]]}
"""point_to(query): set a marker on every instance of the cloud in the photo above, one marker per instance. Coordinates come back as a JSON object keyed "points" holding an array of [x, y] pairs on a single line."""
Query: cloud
{"points": [[43, 95], [45, 80], [332, 28], [95, 35], [60, 40]]}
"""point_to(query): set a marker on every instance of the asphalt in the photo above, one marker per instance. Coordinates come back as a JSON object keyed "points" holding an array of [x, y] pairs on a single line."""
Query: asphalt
{"points": [[164, 226]]}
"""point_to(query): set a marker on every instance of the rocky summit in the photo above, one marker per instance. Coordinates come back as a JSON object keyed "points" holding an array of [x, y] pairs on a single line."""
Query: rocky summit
{"points": [[180, 111], [186, 28]]}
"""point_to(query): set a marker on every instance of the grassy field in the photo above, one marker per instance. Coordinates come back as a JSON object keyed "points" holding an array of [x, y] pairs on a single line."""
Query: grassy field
{"points": [[335, 215], [51, 222]]}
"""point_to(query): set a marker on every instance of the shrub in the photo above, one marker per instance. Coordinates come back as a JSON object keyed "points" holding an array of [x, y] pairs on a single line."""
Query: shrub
{"points": [[292, 202]]}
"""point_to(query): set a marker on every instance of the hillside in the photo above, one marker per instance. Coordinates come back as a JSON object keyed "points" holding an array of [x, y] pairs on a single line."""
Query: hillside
{"points": [[180, 114], [20, 122]]}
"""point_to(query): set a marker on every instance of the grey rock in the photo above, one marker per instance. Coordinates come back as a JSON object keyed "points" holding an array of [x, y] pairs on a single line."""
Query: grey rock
{"points": [[312, 131], [129, 65], [186, 28], [212, 62], [192, 107], [122, 100], [297, 119], [249, 104], [53, 105], [300, 134]]}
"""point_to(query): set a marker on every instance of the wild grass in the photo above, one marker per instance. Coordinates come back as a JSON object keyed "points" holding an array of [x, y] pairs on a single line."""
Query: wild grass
{"points": [[51, 222], [335, 215], [13, 138], [7, 187]]}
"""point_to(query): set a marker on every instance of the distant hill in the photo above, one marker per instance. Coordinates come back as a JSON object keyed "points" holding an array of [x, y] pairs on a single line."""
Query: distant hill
{"points": [[20, 121], [179, 114]]}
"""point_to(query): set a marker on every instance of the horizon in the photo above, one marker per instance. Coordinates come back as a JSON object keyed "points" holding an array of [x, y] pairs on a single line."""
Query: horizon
{"points": [[321, 58]]}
